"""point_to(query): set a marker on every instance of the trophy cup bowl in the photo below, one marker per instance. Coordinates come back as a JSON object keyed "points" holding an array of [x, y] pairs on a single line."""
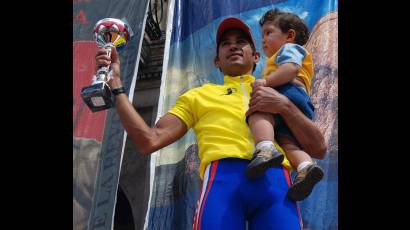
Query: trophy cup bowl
{"points": [[108, 33]]}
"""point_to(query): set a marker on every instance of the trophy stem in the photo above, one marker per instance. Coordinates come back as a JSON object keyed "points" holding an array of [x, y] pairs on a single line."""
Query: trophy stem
{"points": [[102, 73], [108, 47]]}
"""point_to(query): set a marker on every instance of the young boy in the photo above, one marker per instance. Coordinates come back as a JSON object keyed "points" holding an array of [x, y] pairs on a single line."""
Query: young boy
{"points": [[288, 69]]}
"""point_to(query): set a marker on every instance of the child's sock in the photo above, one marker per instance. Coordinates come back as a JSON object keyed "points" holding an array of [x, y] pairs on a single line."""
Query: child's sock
{"points": [[303, 165], [265, 145]]}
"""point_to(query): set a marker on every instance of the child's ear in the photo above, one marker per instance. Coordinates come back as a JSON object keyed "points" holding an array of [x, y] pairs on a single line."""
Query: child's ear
{"points": [[291, 35]]}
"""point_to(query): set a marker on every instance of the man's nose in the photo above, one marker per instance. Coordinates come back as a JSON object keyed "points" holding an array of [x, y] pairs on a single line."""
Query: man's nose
{"points": [[233, 46]]}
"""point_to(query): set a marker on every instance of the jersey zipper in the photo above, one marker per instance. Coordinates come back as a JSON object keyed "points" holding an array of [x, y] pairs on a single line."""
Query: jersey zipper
{"points": [[246, 102]]}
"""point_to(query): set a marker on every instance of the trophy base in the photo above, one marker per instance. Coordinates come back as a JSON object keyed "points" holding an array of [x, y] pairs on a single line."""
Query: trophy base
{"points": [[97, 97]]}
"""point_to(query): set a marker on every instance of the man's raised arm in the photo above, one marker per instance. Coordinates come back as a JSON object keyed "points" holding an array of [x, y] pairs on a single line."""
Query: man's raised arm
{"points": [[166, 131]]}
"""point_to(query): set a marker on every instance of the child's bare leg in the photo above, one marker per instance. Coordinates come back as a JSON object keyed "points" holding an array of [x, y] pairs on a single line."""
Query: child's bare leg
{"points": [[293, 153], [266, 154], [261, 125], [308, 172]]}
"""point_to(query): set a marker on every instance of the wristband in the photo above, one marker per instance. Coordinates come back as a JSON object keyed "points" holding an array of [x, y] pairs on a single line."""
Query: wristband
{"points": [[118, 90]]}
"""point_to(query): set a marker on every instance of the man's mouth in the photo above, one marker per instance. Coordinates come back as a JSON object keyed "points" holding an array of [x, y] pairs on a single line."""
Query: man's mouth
{"points": [[235, 55]]}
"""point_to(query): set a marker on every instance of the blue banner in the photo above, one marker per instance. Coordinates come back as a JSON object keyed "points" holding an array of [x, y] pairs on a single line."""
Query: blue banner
{"points": [[191, 51]]}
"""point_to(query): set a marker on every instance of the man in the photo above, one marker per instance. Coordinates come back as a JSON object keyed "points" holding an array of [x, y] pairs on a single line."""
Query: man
{"points": [[217, 114]]}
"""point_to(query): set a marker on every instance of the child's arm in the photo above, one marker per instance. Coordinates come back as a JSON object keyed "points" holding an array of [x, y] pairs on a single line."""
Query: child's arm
{"points": [[289, 59], [284, 74]]}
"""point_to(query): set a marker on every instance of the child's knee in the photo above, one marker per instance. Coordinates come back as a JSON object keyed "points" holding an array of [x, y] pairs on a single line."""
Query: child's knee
{"points": [[255, 117]]}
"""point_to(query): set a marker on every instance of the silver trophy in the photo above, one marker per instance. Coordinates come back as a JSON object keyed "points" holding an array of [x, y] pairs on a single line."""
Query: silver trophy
{"points": [[108, 33]]}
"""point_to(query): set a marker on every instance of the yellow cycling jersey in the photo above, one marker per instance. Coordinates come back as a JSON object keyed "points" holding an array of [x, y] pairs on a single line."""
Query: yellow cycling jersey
{"points": [[217, 115]]}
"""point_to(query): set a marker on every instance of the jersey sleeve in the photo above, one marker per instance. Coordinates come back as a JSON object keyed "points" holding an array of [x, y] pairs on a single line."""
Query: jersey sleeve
{"points": [[183, 109], [291, 53]]}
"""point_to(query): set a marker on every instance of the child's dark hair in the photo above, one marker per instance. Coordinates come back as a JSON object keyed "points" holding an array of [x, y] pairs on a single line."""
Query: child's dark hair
{"points": [[286, 21]]}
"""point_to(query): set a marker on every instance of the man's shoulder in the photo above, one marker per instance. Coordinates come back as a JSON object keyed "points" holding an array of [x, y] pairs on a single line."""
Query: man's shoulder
{"points": [[205, 88]]}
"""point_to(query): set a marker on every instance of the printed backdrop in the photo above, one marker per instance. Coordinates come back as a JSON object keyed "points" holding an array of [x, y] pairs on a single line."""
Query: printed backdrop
{"points": [[98, 138], [191, 50]]}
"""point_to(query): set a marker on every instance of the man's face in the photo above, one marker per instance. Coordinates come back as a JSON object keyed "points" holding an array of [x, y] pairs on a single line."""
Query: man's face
{"points": [[235, 55], [272, 38]]}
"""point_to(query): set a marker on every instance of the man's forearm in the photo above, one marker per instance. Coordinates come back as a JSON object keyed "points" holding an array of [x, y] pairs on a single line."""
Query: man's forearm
{"points": [[166, 131], [139, 132], [305, 131], [265, 99]]}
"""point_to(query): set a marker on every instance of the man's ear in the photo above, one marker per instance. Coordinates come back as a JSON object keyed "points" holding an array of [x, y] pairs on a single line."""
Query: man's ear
{"points": [[256, 56], [216, 62], [291, 35]]}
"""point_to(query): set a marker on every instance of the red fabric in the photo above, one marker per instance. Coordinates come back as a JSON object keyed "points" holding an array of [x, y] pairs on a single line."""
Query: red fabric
{"points": [[287, 176], [85, 123], [211, 179], [233, 23]]}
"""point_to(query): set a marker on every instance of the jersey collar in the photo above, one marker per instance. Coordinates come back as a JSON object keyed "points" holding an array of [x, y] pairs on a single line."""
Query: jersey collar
{"points": [[245, 78]]}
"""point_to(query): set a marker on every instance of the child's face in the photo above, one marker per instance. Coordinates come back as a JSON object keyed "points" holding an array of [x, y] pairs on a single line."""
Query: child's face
{"points": [[272, 38]]}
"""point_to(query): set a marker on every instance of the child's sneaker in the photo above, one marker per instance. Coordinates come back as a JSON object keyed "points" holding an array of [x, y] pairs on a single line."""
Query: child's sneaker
{"points": [[261, 160], [304, 182]]}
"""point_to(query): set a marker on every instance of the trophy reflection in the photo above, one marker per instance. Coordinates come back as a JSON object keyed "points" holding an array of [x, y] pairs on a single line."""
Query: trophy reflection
{"points": [[108, 33]]}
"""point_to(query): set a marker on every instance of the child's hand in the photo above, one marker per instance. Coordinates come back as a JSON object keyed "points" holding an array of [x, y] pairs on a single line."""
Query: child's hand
{"points": [[259, 82]]}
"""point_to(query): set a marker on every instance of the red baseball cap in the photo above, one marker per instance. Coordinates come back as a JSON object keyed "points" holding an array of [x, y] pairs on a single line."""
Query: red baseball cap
{"points": [[233, 23]]}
